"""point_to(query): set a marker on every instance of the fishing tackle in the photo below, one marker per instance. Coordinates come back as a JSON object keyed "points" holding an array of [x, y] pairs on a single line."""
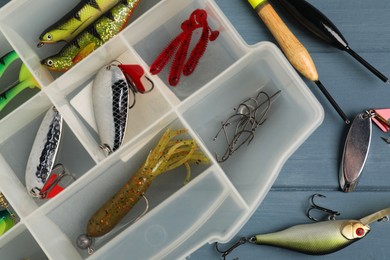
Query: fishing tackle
{"points": [[25, 80], [295, 52], [243, 123], [95, 35], [7, 60], [320, 25], [167, 155], [381, 119], [181, 43], [7, 218], [75, 21], [356, 148], [331, 213], [110, 95], [318, 238], [43, 176]]}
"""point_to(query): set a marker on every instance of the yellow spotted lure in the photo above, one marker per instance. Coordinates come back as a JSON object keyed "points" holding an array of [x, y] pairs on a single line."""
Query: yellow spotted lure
{"points": [[95, 35], [75, 21], [168, 154]]}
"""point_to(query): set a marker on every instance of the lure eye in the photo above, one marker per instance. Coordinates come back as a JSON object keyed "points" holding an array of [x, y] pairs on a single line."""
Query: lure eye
{"points": [[360, 232], [49, 37], [49, 63]]}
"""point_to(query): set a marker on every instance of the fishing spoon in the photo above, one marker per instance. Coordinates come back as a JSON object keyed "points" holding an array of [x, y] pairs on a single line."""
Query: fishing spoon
{"points": [[295, 52], [317, 23]]}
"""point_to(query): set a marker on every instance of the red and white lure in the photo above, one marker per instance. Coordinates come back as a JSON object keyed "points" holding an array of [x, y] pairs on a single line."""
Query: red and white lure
{"points": [[45, 178], [111, 98]]}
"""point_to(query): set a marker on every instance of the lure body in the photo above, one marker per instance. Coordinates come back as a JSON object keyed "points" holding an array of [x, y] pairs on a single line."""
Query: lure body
{"points": [[44, 152], [95, 35], [167, 155], [316, 238], [6, 221], [76, 20], [110, 96], [356, 148], [7, 60]]}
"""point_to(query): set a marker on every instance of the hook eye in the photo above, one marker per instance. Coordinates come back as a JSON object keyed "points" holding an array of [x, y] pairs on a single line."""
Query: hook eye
{"points": [[331, 213]]}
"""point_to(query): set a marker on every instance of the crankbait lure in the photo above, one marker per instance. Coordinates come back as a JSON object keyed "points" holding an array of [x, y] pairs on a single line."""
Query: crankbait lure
{"points": [[320, 25], [319, 238], [44, 152], [26, 80], [6, 221], [198, 19], [95, 35], [7, 60], [167, 155], [75, 21], [111, 101], [356, 148]]}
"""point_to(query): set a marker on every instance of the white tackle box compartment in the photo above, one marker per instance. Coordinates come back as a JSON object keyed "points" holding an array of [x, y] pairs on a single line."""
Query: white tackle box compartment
{"points": [[220, 197]]}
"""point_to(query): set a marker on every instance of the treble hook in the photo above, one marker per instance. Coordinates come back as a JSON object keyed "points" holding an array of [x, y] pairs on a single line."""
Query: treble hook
{"points": [[242, 241], [332, 213]]}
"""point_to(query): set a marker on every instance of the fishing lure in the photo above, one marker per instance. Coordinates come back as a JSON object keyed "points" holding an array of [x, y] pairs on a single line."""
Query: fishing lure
{"points": [[110, 95], [75, 21], [356, 148], [319, 238], [167, 155], [7, 60], [95, 35], [44, 152], [6, 221], [25, 80], [181, 43], [320, 25]]}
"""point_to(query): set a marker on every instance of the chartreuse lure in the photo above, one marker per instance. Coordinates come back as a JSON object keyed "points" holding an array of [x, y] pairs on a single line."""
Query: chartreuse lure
{"points": [[75, 21], [26, 80], [7, 60], [95, 35], [317, 238], [6, 221], [167, 155]]}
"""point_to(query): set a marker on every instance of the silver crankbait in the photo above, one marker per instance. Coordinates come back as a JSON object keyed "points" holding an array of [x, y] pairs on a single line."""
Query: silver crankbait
{"points": [[110, 97], [319, 238], [356, 148], [44, 152]]}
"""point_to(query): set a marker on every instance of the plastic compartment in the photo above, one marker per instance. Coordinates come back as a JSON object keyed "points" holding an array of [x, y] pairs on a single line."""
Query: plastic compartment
{"points": [[18, 243], [16, 148], [218, 200]]}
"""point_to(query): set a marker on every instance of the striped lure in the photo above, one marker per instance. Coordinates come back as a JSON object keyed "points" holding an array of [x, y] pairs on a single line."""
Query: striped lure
{"points": [[94, 36], [75, 21]]}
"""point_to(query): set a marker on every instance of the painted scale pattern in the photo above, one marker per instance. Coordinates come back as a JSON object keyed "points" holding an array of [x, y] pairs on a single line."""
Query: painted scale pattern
{"points": [[108, 25], [46, 160], [120, 95], [76, 20], [167, 155]]}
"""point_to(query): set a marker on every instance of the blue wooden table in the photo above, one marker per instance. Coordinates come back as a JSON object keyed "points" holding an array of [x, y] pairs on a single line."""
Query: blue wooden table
{"points": [[314, 167]]}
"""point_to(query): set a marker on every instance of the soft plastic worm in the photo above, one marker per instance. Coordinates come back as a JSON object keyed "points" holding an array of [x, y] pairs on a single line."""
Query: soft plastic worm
{"points": [[75, 21], [7, 60], [95, 35], [167, 155]]}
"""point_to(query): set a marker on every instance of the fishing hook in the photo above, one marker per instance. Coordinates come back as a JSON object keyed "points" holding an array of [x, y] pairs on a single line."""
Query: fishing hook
{"points": [[224, 253], [332, 213]]}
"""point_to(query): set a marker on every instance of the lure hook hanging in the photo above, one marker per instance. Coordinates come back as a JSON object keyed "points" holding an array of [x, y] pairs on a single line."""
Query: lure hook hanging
{"points": [[332, 214], [224, 253]]}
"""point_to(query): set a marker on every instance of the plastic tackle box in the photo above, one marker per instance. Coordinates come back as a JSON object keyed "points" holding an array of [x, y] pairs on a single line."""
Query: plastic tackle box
{"points": [[218, 200]]}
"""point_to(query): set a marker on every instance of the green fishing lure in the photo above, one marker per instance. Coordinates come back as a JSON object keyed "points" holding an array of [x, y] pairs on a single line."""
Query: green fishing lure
{"points": [[6, 221], [108, 25], [7, 60]]}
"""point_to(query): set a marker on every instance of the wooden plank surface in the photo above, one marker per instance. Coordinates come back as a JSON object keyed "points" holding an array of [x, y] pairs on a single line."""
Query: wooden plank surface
{"points": [[314, 167]]}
